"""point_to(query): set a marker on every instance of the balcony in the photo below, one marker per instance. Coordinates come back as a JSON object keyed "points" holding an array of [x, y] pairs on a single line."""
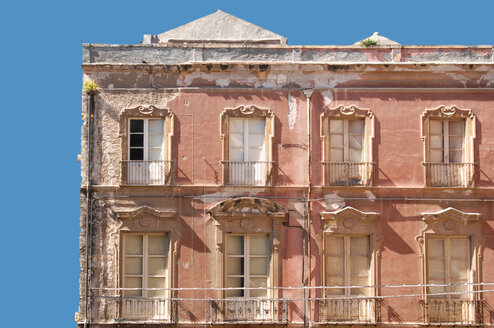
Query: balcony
{"points": [[246, 310], [449, 174], [147, 172], [453, 311], [247, 173], [358, 310], [347, 173], [133, 309]]}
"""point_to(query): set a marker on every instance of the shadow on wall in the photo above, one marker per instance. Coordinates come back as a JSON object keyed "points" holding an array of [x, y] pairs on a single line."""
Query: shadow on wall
{"points": [[392, 240]]}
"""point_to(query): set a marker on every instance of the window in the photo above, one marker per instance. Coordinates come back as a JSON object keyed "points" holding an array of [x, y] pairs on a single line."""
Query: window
{"points": [[247, 259], [449, 263], [446, 139], [346, 140], [449, 244], [146, 158], [247, 152], [348, 264], [247, 146], [347, 134], [145, 269], [448, 133], [351, 242], [248, 242]]}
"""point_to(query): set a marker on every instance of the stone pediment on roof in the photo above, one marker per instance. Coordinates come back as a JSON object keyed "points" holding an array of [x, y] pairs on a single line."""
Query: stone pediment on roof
{"points": [[219, 27], [379, 39]]}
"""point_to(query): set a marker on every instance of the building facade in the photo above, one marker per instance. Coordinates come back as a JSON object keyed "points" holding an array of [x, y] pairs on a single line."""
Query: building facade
{"points": [[229, 178]]}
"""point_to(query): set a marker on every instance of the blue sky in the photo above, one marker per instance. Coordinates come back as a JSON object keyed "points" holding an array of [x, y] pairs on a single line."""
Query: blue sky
{"points": [[41, 95]]}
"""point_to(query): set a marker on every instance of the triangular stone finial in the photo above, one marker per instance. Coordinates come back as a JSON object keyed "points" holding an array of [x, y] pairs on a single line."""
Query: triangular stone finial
{"points": [[218, 27], [379, 39]]}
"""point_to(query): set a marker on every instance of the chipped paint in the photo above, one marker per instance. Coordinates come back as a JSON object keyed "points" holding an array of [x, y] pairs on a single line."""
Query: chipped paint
{"points": [[333, 202], [292, 111], [327, 97]]}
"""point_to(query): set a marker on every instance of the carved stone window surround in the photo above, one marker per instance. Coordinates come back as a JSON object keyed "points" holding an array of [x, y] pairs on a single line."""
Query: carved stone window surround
{"points": [[451, 222], [347, 112], [249, 215], [247, 112], [450, 113], [145, 111], [350, 221], [145, 219]]}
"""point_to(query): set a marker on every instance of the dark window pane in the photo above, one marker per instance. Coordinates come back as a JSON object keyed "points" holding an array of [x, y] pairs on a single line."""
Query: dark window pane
{"points": [[136, 125], [136, 140], [136, 154]]}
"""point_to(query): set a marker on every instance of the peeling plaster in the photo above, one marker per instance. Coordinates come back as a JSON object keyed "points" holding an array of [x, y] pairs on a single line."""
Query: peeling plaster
{"points": [[327, 97], [333, 202], [222, 83], [370, 195], [292, 111]]}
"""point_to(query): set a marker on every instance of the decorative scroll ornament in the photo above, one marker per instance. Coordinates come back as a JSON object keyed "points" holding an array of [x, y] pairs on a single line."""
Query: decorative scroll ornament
{"points": [[348, 218], [247, 111], [449, 111], [346, 111], [146, 110]]}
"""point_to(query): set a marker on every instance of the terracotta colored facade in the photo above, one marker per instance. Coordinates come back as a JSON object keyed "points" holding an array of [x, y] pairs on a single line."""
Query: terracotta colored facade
{"points": [[296, 197]]}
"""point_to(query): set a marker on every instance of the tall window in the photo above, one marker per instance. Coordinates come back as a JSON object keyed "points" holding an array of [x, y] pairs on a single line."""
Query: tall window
{"points": [[247, 145], [145, 272], [448, 262], [247, 259], [346, 140], [347, 134], [348, 264], [146, 152], [448, 134], [446, 141], [247, 162]]}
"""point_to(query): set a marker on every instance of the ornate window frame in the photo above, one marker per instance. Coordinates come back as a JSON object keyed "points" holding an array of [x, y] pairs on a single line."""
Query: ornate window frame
{"points": [[143, 112], [247, 111], [451, 222], [350, 221], [347, 112], [146, 219], [450, 113], [249, 215]]}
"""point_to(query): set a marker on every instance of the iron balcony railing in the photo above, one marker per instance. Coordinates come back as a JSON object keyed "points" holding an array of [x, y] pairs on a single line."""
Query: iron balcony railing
{"points": [[247, 310], [358, 310], [449, 174], [147, 172], [239, 173], [348, 173], [453, 311], [133, 309]]}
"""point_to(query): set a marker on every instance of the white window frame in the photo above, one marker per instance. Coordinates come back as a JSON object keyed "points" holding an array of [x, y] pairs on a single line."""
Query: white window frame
{"points": [[146, 137]]}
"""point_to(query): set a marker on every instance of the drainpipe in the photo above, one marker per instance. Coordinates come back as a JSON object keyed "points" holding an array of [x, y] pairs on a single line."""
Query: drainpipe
{"points": [[89, 110], [308, 204]]}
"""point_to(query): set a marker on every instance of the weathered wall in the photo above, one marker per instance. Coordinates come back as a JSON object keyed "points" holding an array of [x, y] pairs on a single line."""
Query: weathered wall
{"points": [[198, 94]]}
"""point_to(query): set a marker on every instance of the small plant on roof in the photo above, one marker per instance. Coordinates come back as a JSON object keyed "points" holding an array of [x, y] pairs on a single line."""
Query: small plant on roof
{"points": [[368, 42], [90, 86]]}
